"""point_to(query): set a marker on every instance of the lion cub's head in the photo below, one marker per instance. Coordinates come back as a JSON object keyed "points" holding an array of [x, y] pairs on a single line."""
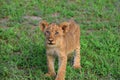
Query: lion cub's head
{"points": [[53, 32]]}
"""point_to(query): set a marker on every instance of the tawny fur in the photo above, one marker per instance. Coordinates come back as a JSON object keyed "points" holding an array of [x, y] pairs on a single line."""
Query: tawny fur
{"points": [[61, 40]]}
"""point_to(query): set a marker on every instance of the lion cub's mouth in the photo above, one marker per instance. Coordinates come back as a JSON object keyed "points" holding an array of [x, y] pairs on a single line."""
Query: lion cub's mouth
{"points": [[51, 43]]}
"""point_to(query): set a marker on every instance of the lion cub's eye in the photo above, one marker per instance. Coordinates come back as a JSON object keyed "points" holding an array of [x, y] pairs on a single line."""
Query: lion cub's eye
{"points": [[47, 32], [56, 33]]}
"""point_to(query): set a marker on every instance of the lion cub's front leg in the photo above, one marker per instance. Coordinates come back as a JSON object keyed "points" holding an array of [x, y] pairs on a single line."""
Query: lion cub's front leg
{"points": [[50, 62], [62, 68]]}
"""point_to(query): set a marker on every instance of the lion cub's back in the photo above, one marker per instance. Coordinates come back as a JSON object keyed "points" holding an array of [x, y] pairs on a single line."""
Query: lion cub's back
{"points": [[72, 38]]}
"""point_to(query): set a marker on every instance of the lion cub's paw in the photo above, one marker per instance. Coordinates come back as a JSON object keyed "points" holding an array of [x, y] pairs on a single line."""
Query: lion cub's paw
{"points": [[50, 74], [77, 67]]}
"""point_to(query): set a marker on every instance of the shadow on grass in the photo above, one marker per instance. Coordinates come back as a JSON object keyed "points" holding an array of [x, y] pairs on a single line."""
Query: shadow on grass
{"points": [[33, 59]]}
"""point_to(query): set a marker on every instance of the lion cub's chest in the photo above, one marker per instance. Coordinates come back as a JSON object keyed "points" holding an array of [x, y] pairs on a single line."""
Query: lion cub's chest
{"points": [[53, 51]]}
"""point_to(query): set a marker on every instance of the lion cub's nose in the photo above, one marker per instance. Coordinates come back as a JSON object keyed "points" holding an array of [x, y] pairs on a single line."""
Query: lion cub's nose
{"points": [[50, 40]]}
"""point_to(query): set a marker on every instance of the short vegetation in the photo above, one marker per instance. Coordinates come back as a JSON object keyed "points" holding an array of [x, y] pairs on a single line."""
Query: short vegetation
{"points": [[22, 50]]}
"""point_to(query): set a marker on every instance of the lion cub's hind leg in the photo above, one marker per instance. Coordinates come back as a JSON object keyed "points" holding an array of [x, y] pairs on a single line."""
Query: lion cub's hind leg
{"points": [[76, 63]]}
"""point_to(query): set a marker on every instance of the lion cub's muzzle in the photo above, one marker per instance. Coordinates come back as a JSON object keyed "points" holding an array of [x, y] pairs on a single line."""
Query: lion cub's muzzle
{"points": [[51, 41]]}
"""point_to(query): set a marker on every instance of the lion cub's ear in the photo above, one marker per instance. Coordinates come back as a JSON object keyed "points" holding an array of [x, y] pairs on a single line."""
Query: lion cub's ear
{"points": [[43, 25], [64, 26]]}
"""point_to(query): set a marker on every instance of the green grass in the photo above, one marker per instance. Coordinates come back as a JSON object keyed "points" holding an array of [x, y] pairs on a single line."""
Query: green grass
{"points": [[22, 50]]}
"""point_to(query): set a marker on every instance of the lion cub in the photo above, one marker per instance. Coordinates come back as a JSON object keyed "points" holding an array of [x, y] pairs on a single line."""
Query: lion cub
{"points": [[61, 40]]}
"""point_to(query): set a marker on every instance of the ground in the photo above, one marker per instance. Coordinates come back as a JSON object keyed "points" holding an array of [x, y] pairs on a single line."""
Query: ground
{"points": [[22, 50]]}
